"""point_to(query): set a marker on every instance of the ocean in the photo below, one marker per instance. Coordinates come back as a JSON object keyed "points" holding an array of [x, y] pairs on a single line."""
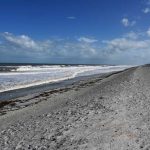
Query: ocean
{"points": [[17, 76]]}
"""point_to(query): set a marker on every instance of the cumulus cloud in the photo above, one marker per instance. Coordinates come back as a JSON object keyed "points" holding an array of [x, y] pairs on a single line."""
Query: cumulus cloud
{"points": [[148, 32], [131, 47], [87, 40], [146, 10], [124, 44], [127, 23], [128, 51], [21, 40], [132, 35], [48, 48]]}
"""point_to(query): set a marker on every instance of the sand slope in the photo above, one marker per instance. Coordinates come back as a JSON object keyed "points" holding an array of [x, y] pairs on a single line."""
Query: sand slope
{"points": [[108, 114]]}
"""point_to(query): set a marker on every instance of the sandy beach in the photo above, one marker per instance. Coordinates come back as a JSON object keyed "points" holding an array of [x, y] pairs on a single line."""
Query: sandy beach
{"points": [[100, 113]]}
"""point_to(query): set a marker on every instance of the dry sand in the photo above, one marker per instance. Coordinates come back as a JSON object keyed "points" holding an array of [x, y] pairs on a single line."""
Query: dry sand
{"points": [[108, 114]]}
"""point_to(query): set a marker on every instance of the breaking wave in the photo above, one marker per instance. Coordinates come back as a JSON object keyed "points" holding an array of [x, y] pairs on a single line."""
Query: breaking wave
{"points": [[17, 77]]}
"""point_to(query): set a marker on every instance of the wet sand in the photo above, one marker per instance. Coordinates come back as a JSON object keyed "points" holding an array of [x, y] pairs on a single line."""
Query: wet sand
{"points": [[111, 113]]}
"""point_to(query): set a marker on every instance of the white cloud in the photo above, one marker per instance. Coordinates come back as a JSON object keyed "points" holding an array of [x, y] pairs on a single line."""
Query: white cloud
{"points": [[132, 47], [146, 10], [127, 50], [125, 44], [71, 17], [49, 48], [132, 35], [87, 40], [21, 40], [148, 32], [127, 23]]}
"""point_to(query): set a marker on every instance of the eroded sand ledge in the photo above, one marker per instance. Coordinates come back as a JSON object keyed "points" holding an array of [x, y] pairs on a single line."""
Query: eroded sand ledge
{"points": [[108, 114]]}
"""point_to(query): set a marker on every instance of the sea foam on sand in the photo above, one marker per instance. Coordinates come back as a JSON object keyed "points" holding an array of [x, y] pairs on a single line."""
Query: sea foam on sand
{"points": [[27, 76]]}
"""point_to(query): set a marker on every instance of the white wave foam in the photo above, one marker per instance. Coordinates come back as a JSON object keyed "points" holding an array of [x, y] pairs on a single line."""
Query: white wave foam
{"points": [[36, 68], [27, 76]]}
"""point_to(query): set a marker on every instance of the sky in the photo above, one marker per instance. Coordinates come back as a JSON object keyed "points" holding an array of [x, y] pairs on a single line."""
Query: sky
{"points": [[75, 31]]}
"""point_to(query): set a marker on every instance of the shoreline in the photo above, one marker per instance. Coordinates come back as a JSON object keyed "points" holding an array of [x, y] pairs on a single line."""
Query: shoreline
{"points": [[15, 93], [14, 81], [21, 98], [109, 114]]}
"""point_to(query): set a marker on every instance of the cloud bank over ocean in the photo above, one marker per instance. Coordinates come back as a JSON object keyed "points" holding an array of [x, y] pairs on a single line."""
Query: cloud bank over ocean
{"points": [[132, 46]]}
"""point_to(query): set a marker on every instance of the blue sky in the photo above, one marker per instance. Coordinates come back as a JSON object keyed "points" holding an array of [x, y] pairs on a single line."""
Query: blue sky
{"points": [[75, 31]]}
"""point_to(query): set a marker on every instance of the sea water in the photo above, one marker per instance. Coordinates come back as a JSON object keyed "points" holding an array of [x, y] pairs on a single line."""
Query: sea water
{"points": [[22, 76]]}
